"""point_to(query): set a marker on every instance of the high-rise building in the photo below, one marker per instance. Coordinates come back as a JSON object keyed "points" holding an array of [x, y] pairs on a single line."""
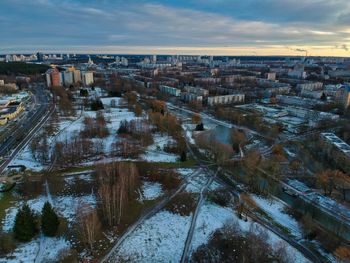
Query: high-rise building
{"points": [[343, 96], [53, 77], [68, 78], [76, 76], [88, 78]]}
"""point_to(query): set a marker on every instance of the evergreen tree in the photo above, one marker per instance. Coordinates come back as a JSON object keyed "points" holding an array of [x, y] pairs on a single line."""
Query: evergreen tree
{"points": [[49, 220], [200, 127], [183, 157], [25, 226]]}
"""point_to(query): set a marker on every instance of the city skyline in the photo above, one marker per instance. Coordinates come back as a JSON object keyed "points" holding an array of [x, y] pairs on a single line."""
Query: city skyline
{"points": [[203, 27]]}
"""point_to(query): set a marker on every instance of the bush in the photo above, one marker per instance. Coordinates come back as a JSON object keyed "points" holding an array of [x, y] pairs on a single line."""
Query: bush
{"points": [[183, 204], [221, 197], [96, 105], [7, 243], [49, 220], [25, 227], [200, 127]]}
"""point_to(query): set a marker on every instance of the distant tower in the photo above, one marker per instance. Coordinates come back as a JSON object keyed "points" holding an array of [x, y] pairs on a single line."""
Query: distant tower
{"points": [[90, 62], [154, 59], [40, 56]]}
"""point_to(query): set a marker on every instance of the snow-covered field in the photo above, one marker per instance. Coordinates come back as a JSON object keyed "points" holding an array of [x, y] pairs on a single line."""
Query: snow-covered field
{"points": [[50, 249], [276, 209], [159, 239]]}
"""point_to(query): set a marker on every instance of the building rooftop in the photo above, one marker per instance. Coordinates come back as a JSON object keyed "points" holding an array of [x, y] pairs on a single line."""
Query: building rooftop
{"points": [[339, 143]]}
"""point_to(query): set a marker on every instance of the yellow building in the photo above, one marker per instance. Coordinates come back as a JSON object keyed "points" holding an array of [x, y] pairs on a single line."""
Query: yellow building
{"points": [[10, 112]]}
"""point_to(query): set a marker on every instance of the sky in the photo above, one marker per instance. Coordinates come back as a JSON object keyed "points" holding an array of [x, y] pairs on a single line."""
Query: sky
{"points": [[204, 27]]}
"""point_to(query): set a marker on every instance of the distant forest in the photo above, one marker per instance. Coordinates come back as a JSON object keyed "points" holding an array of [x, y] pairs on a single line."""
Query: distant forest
{"points": [[9, 68]]}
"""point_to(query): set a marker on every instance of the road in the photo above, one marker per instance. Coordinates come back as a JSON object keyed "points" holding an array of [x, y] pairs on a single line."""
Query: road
{"points": [[185, 254], [27, 128]]}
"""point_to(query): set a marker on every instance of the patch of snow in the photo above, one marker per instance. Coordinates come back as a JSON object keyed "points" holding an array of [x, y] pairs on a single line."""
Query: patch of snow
{"points": [[107, 101], [214, 186], [25, 158], [197, 182], [27, 252], [185, 171], [151, 191], [276, 210], [159, 239], [155, 152], [210, 218]]}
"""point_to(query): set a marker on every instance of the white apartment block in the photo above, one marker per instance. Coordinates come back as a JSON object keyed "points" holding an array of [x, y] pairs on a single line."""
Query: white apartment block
{"points": [[227, 99]]}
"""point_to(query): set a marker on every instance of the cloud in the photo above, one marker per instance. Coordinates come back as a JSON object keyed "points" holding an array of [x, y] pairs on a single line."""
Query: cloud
{"points": [[170, 23], [343, 46]]}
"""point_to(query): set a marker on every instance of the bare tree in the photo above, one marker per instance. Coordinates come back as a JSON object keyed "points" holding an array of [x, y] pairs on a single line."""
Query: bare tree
{"points": [[117, 183], [89, 224]]}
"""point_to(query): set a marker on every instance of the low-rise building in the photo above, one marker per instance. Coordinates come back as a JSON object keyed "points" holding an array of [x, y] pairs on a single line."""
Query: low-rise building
{"points": [[170, 90], [312, 94], [337, 142], [188, 97], [226, 99], [310, 86], [298, 101], [197, 90], [11, 111]]}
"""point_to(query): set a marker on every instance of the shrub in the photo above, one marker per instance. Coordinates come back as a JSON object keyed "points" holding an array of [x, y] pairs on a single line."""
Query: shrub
{"points": [[7, 243]]}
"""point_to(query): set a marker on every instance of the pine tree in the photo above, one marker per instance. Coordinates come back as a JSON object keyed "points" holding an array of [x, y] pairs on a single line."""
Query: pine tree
{"points": [[183, 157], [25, 226], [49, 220]]}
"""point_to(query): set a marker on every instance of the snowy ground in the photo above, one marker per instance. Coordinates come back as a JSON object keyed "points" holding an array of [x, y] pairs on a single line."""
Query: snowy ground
{"points": [[72, 178], [212, 217], [150, 191], [66, 206], [67, 127], [27, 252], [155, 152], [276, 209], [159, 239], [189, 129], [197, 182], [25, 158]]}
